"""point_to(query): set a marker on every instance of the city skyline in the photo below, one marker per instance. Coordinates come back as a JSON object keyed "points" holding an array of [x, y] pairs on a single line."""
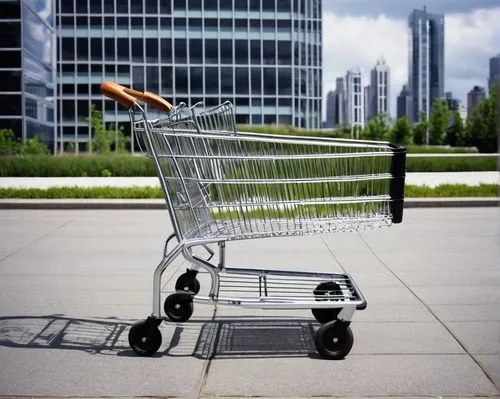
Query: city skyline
{"points": [[383, 29]]}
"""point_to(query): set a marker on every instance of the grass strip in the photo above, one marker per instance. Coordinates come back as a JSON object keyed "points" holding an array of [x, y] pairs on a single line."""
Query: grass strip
{"points": [[137, 166], [411, 191]]}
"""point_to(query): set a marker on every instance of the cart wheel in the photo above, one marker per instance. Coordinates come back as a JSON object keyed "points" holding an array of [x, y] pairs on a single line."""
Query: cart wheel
{"points": [[178, 307], [334, 340], [188, 283], [325, 315], [144, 338]]}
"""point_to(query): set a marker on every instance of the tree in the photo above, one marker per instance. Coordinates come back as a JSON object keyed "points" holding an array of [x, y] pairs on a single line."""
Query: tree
{"points": [[8, 143], [376, 129], [420, 130], [481, 127], [34, 146], [455, 135], [401, 132], [105, 138], [438, 121]]}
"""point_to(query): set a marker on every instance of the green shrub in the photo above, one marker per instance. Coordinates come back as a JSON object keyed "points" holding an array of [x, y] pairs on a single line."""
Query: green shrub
{"points": [[451, 164]]}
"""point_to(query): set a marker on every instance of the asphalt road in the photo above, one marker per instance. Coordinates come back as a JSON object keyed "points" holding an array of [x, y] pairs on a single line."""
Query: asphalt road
{"points": [[72, 282]]}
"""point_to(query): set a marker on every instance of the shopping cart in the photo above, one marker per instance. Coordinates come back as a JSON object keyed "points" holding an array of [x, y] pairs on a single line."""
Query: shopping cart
{"points": [[222, 185]]}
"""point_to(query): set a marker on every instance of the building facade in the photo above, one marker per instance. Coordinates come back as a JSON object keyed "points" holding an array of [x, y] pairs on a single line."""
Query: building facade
{"points": [[331, 110], [494, 70], [379, 92], [354, 99], [402, 100], [426, 62], [475, 97], [28, 69], [263, 56]]}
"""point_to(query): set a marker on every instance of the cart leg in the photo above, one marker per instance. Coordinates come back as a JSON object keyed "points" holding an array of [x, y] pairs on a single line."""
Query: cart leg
{"points": [[157, 279]]}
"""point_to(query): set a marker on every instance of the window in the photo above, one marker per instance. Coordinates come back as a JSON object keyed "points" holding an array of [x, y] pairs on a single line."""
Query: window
{"points": [[67, 7], [138, 78], [285, 81], [226, 5], [136, 6], [226, 80], [152, 79], [11, 58], [180, 51], [210, 5], [241, 51], [196, 51], [95, 7], [96, 49], [256, 80], [68, 48], [167, 80], [179, 4], [109, 49], [211, 51], [82, 89], [121, 6], [194, 4], [212, 80], [166, 50], [11, 81], [82, 51], [255, 52], [269, 52], [181, 80], [122, 49], [109, 7], [152, 50], [81, 7], [226, 52], [137, 50], [165, 6], [269, 81], [284, 6], [241, 80], [241, 5], [151, 6], [255, 5], [284, 53], [196, 80]]}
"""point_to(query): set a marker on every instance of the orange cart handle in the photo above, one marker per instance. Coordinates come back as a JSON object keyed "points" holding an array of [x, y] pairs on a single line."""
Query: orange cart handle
{"points": [[127, 97]]}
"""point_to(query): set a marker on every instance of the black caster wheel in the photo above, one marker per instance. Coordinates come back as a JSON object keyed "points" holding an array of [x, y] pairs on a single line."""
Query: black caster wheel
{"points": [[178, 307], [325, 289], [144, 337], [188, 282], [334, 340]]}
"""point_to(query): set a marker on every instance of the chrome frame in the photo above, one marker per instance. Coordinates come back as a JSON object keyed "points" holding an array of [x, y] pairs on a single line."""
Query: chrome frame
{"points": [[290, 289]]}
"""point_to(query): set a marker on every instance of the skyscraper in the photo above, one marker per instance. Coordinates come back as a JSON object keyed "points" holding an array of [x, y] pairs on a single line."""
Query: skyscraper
{"points": [[354, 100], [367, 103], [331, 109], [402, 102], [494, 70], [263, 56], [378, 103], [28, 69], [475, 97], [426, 61]]}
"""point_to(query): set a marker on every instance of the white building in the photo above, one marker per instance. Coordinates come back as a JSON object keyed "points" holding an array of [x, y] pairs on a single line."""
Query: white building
{"points": [[379, 89], [354, 100]]}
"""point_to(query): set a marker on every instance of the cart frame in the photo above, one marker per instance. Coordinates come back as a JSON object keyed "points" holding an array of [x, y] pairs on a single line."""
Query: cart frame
{"points": [[334, 297]]}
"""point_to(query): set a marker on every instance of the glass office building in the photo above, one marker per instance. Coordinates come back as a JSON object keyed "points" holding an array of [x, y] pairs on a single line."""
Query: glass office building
{"points": [[28, 68], [262, 55], [426, 62]]}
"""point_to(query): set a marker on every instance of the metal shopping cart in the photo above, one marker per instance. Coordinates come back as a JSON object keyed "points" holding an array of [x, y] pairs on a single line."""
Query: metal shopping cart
{"points": [[222, 185]]}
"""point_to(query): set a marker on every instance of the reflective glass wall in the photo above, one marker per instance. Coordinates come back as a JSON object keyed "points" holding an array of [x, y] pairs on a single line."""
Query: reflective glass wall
{"points": [[27, 68], [262, 55]]}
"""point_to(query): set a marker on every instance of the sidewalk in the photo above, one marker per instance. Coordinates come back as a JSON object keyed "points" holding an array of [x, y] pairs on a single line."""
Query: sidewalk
{"points": [[419, 179], [72, 283]]}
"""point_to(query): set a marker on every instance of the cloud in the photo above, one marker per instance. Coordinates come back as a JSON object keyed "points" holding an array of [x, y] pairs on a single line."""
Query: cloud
{"points": [[470, 40], [401, 8]]}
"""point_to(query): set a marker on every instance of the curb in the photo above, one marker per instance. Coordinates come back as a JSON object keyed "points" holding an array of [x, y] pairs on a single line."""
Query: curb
{"points": [[68, 204]]}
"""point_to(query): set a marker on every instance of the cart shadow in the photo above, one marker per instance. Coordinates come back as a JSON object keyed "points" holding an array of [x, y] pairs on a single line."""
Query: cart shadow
{"points": [[203, 339]]}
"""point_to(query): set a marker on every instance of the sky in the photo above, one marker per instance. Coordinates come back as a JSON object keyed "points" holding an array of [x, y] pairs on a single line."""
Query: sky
{"points": [[356, 33]]}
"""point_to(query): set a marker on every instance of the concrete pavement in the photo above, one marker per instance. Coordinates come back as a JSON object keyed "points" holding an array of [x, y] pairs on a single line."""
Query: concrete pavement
{"points": [[72, 282]]}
